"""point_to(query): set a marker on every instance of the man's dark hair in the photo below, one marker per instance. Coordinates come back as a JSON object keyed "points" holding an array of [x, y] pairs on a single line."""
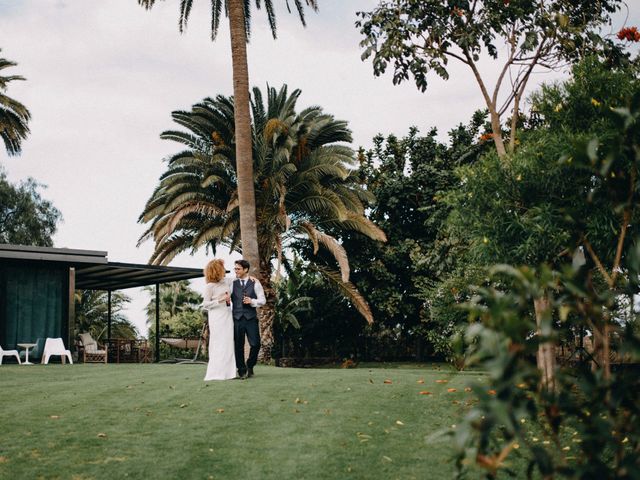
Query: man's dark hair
{"points": [[243, 263]]}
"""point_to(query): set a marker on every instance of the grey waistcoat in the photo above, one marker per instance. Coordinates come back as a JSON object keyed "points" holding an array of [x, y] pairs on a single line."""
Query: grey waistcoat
{"points": [[239, 308]]}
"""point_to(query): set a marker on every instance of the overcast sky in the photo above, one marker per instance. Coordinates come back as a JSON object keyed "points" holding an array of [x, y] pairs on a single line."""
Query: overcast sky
{"points": [[104, 76]]}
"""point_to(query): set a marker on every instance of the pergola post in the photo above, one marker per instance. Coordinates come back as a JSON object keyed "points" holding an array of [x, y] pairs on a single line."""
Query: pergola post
{"points": [[109, 314], [157, 322]]}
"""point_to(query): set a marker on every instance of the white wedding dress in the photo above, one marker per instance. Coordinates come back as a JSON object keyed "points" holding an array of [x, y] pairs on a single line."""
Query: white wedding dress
{"points": [[222, 359]]}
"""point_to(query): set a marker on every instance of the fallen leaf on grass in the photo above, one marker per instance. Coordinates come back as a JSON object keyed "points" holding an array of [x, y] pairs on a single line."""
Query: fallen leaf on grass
{"points": [[455, 402], [3, 459], [467, 389], [297, 400], [388, 459], [425, 392], [102, 435], [420, 381], [442, 381], [220, 410], [398, 422], [370, 381], [491, 392], [54, 417], [184, 405], [386, 380], [451, 390]]}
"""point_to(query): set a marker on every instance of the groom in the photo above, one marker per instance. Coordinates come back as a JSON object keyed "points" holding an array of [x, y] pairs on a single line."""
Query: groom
{"points": [[247, 294]]}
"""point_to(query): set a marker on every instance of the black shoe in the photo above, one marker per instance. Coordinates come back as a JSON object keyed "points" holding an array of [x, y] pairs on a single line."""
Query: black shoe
{"points": [[241, 376], [250, 372]]}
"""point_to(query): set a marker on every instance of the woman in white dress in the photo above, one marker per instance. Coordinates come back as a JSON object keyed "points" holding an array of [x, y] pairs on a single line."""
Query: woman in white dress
{"points": [[222, 360]]}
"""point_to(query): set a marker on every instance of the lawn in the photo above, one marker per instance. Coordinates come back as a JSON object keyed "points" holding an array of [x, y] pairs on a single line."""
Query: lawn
{"points": [[163, 421]]}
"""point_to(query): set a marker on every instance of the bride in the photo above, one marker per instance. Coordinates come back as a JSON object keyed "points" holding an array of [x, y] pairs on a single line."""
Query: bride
{"points": [[222, 360]]}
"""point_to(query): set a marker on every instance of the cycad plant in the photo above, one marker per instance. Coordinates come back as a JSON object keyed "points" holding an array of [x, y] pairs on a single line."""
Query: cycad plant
{"points": [[303, 181]]}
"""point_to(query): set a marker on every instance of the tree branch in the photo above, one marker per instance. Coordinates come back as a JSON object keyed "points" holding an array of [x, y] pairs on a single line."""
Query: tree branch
{"points": [[596, 260]]}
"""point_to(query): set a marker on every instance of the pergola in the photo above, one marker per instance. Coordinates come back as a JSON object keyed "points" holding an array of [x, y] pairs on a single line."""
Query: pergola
{"points": [[91, 270]]}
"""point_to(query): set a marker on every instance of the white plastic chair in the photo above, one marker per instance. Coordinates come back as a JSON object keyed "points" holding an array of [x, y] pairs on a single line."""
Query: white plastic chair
{"points": [[55, 346], [9, 353]]}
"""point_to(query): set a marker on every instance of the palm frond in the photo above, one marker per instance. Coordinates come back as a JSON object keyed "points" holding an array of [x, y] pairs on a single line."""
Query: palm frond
{"points": [[331, 244], [348, 289]]}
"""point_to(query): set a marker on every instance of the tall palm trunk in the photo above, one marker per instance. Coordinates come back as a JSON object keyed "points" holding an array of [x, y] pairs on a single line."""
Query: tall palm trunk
{"points": [[267, 313], [545, 356], [244, 160]]}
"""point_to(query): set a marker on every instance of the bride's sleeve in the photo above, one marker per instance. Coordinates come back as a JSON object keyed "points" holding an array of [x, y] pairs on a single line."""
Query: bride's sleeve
{"points": [[208, 302]]}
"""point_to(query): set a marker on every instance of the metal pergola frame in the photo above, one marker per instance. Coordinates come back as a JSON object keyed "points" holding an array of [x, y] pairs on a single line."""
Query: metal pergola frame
{"points": [[90, 270]]}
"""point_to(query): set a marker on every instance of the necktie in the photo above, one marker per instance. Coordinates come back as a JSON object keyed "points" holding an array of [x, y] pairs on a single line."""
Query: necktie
{"points": [[242, 282]]}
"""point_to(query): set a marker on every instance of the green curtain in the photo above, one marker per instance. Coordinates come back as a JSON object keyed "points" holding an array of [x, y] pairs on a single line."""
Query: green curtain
{"points": [[32, 303]]}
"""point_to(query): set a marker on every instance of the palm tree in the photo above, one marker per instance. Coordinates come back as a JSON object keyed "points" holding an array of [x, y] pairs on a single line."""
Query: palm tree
{"points": [[91, 313], [14, 116], [239, 15], [175, 298], [305, 188]]}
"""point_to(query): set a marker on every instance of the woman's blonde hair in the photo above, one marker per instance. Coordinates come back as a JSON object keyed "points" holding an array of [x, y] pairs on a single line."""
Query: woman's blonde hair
{"points": [[214, 271]]}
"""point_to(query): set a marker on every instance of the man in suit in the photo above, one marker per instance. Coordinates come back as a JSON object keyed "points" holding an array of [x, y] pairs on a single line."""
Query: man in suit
{"points": [[246, 295]]}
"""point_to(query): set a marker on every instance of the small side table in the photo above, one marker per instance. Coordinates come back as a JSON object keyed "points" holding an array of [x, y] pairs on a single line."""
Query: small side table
{"points": [[26, 347]]}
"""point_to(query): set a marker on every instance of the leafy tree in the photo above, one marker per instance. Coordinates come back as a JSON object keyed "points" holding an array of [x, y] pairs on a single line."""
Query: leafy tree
{"points": [[417, 37], [239, 14], [25, 217], [180, 315], [587, 427], [92, 314], [542, 209], [175, 298], [303, 179], [313, 318], [408, 176], [14, 116]]}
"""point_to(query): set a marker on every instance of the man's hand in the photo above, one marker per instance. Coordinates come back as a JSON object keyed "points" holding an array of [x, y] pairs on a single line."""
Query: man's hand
{"points": [[246, 300]]}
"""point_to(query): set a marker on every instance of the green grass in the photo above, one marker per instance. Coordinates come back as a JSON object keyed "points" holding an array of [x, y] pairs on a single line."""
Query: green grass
{"points": [[163, 421]]}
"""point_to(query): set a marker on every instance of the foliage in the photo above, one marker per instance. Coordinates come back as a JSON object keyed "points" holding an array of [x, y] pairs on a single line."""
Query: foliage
{"points": [[218, 6], [14, 116], [302, 178], [416, 38], [589, 427], [543, 207], [304, 183], [92, 314], [589, 421], [239, 15], [180, 315], [25, 217], [408, 176], [312, 316], [289, 303]]}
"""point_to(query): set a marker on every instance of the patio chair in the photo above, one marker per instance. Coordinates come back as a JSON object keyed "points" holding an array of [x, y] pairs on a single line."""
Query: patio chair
{"points": [[55, 346], [89, 350], [9, 353]]}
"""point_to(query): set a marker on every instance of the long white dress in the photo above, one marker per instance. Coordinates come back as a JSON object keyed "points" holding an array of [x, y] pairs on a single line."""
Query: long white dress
{"points": [[222, 360]]}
